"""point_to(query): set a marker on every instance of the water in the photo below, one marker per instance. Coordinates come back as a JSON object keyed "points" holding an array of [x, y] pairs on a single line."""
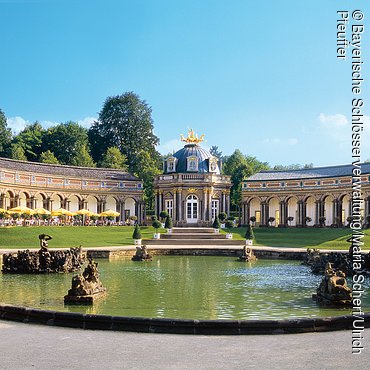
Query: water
{"points": [[191, 287]]}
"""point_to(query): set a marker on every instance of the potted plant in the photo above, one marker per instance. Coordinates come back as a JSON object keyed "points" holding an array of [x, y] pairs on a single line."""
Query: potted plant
{"points": [[216, 225], [271, 220], [168, 224], [157, 225], [307, 220], [322, 220], [163, 215], [222, 217], [349, 220], [137, 235], [229, 225], [253, 219], [133, 219], [249, 235], [290, 220]]}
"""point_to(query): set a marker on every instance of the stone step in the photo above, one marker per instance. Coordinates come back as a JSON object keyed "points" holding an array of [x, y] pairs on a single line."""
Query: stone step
{"points": [[197, 242], [193, 230], [193, 236]]}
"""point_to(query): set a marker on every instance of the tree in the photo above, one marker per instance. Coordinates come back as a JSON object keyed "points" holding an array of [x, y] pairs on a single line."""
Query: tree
{"points": [[5, 134], [249, 232], [125, 122], [17, 152], [65, 141], [163, 215], [222, 216], [157, 225], [168, 224], [137, 232], [31, 138], [113, 158], [215, 152], [216, 223], [82, 158], [48, 157]]}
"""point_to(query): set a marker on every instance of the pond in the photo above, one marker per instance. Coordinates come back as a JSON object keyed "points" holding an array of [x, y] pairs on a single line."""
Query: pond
{"points": [[191, 287]]}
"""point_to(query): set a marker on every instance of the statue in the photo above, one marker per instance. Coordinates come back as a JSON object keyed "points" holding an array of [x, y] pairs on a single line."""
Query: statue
{"points": [[141, 254], [44, 240], [333, 289], [247, 255], [44, 254], [192, 137], [87, 287]]}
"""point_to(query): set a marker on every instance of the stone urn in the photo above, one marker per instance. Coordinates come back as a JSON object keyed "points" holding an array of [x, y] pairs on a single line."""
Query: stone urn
{"points": [[137, 241], [217, 231], [249, 242], [229, 236], [157, 235], [169, 231]]}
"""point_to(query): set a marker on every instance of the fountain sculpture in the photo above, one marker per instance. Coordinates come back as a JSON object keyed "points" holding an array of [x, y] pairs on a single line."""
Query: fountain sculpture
{"points": [[247, 255], [141, 254]]}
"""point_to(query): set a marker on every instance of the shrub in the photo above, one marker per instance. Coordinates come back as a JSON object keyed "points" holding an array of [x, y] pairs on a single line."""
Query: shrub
{"points": [[229, 225], [231, 218], [137, 232], [290, 219], [249, 233], [216, 223], [133, 218], [163, 214], [157, 225], [271, 220], [252, 219], [168, 224], [154, 217], [222, 216]]}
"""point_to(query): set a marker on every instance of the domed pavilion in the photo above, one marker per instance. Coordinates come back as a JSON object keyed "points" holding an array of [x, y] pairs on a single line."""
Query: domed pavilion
{"points": [[191, 188]]}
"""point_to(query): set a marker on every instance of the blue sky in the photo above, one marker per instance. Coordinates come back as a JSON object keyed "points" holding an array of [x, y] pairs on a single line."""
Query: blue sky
{"points": [[262, 77]]}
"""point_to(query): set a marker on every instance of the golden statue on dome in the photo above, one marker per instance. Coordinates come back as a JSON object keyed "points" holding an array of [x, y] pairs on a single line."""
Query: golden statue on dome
{"points": [[192, 137]]}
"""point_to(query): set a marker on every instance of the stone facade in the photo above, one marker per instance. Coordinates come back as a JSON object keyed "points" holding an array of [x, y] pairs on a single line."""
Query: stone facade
{"points": [[314, 193], [49, 186], [192, 189]]}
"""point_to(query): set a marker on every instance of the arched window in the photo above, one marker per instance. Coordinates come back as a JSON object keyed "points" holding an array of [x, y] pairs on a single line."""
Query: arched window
{"points": [[192, 164]]}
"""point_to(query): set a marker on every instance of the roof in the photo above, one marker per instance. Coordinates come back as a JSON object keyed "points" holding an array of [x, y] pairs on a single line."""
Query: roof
{"points": [[193, 150], [66, 171], [307, 173]]}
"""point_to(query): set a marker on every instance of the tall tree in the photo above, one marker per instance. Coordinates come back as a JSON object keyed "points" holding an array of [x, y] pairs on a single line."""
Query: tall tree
{"points": [[30, 138], [82, 158], [125, 121], [215, 152], [48, 157], [65, 141], [113, 158], [238, 167], [17, 152], [5, 134]]}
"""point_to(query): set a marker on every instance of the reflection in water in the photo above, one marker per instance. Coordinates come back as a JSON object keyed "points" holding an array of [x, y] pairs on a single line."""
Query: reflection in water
{"points": [[184, 287]]}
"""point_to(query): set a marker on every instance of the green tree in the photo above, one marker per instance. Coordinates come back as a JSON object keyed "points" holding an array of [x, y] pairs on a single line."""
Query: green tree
{"points": [[48, 157], [125, 122], [113, 158], [17, 152], [148, 167], [215, 152], [65, 141], [82, 158], [137, 232], [30, 138], [5, 134], [238, 167]]}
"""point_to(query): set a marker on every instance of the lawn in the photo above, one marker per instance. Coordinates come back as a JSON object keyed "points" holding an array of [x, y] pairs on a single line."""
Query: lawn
{"points": [[326, 238], [68, 236]]}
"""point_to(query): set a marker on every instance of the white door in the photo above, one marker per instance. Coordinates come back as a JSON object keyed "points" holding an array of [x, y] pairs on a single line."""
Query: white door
{"points": [[192, 209]]}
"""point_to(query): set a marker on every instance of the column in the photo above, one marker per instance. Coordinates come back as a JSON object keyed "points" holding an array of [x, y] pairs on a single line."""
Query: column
{"points": [[205, 199], [223, 208], [227, 205], [300, 213], [283, 215], [264, 214], [209, 207], [174, 205], [2, 198], [180, 205]]}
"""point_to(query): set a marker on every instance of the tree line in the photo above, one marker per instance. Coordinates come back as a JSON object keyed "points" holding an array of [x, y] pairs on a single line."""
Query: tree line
{"points": [[121, 138]]}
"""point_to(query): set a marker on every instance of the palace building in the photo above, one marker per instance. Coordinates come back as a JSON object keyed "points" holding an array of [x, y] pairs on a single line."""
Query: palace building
{"points": [[314, 193], [191, 188], [52, 186]]}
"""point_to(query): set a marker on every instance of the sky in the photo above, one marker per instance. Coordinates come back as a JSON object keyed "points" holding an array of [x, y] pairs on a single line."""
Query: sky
{"points": [[262, 77]]}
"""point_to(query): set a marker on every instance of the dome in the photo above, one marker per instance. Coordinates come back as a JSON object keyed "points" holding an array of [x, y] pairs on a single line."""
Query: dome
{"points": [[192, 158]]}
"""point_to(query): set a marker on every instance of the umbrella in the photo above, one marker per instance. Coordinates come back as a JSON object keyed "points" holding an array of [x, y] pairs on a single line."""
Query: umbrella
{"points": [[84, 212], [2, 210], [41, 211], [108, 213], [60, 212], [21, 209]]}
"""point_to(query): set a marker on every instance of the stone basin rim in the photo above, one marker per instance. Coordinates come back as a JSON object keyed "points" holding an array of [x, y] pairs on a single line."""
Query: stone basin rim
{"points": [[177, 326]]}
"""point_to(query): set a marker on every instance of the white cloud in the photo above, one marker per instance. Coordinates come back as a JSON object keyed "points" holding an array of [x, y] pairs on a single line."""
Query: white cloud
{"points": [[170, 146], [17, 124], [87, 121], [276, 140], [332, 121]]}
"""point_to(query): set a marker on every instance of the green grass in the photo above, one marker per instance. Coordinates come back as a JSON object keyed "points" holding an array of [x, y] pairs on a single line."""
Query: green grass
{"points": [[67, 236], [70, 236], [327, 238]]}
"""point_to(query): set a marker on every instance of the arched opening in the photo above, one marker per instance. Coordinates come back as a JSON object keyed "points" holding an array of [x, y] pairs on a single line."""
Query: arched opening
{"points": [[274, 211], [310, 210], [92, 204], [192, 209], [39, 200], [24, 200], [346, 211], [292, 211], [255, 211], [110, 203], [9, 200], [129, 208], [74, 203], [56, 202], [328, 210]]}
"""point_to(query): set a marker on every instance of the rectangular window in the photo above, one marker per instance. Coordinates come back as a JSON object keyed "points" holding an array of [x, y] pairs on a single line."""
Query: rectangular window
{"points": [[258, 216], [189, 210], [169, 207], [215, 207], [195, 210]]}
